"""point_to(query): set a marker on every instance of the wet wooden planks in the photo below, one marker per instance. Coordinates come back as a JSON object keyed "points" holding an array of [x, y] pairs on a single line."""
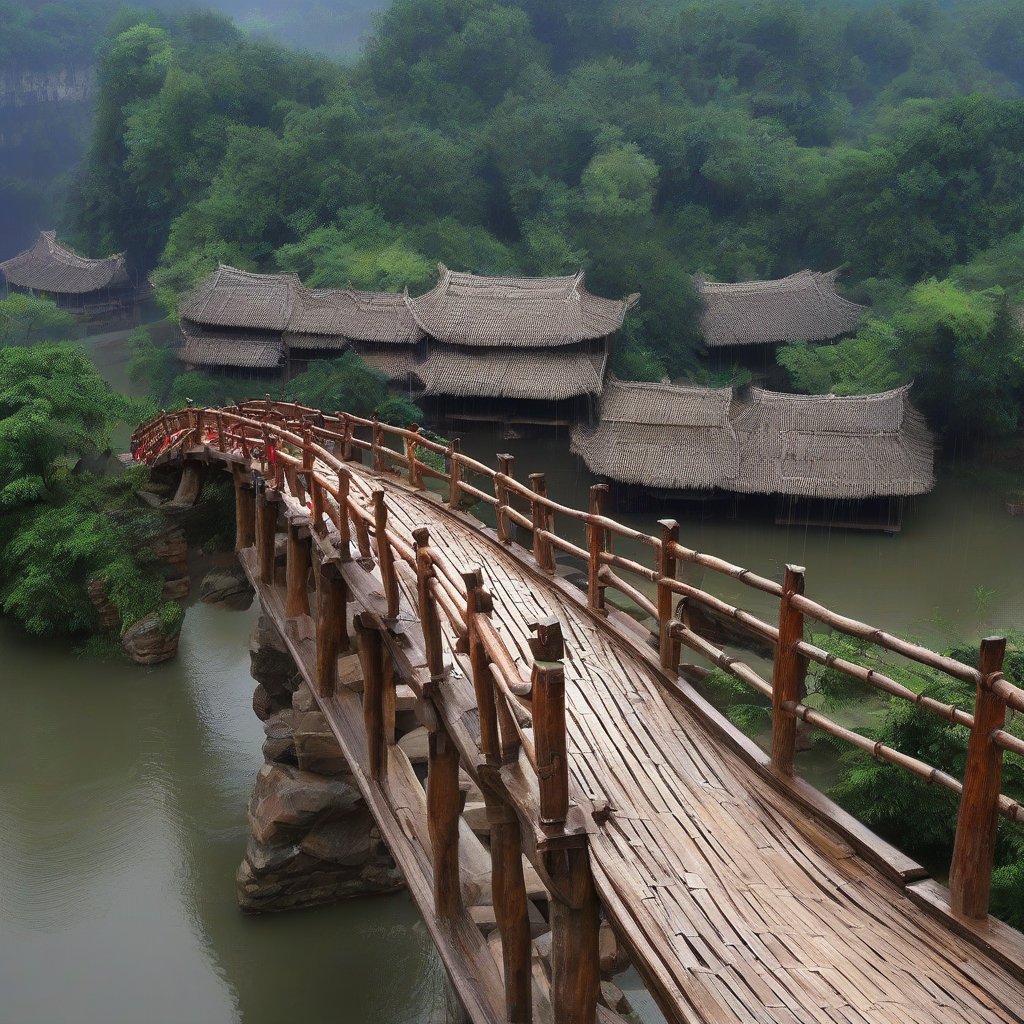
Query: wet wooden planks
{"points": [[735, 904]]}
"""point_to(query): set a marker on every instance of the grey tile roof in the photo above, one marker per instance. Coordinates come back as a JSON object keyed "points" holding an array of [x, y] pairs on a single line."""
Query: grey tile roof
{"points": [[208, 349], [236, 298], [515, 312], [51, 267], [804, 306]]}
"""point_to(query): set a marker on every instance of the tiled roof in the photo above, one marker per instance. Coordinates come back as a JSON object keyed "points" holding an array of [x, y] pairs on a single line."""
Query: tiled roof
{"points": [[378, 317], [236, 298], [821, 446], [208, 349], [515, 312], [511, 373], [804, 306], [51, 267]]}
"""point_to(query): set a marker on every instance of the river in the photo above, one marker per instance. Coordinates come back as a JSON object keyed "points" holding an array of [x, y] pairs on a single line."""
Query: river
{"points": [[123, 790]]}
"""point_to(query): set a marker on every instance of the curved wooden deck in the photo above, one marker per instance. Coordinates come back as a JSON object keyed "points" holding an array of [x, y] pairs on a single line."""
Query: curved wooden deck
{"points": [[741, 896]]}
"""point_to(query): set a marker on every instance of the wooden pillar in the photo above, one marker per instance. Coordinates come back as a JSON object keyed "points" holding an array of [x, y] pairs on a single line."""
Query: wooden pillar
{"points": [[316, 499], [548, 678], [331, 627], [221, 441], [575, 927], [508, 892], [595, 544], [346, 444], [454, 473], [443, 806], [371, 658], [788, 673], [429, 618], [478, 602], [970, 873], [297, 596], [266, 531], [385, 556], [245, 508], [415, 477], [668, 648], [504, 524], [376, 441], [541, 548], [344, 534]]}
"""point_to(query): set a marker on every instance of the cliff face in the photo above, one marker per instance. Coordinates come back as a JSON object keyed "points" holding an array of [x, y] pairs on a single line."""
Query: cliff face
{"points": [[64, 85]]}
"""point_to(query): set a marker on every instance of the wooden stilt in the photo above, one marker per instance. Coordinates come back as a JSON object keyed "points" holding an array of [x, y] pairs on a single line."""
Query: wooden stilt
{"points": [[344, 534], [443, 800], [788, 673], [245, 508], [331, 627], [297, 597], [371, 658], [668, 648], [266, 532], [575, 927], [970, 872]]}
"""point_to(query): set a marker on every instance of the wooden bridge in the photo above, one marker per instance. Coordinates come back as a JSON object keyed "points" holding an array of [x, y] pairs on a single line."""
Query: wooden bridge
{"points": [[740, 893]]}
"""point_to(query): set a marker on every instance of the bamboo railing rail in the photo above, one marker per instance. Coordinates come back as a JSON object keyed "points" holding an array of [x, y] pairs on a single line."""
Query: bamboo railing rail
{"points": [[288, 436]]}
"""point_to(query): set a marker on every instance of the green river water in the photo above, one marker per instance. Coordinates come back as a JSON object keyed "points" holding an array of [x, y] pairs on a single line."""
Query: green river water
{"points": [[123, 790]]}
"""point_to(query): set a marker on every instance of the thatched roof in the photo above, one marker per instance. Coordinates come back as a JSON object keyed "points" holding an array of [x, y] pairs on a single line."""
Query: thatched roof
{"points": [[510, 373], [824, 446], [208, 349], [661, 436], [804, 306], [329, 344], [236, 298], [401, 364], [51, 267], [378, 317], [515, 312]]}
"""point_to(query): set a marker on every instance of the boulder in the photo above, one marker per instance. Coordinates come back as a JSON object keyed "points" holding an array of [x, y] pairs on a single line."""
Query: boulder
{"points": [[415, 744], [286, 802], [177, 589], [172, 547], [149, 499], [475, 814], [316, 749], [271, 664], [147, 643], [110, 617], [346, 842], [613, 997], [279, 745], [226, 586]]}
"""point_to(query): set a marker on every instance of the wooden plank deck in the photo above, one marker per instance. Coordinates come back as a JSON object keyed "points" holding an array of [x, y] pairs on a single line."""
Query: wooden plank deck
{"points": [[735, 904]]}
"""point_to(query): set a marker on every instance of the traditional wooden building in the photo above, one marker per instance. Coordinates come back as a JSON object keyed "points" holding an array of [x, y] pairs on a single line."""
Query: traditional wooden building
{"points": [[76, 283], [801, 307], [825, 460], [474, 345]]}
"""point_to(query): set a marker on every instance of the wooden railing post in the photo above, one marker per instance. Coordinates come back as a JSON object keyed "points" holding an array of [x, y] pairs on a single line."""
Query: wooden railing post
{"points": [[331, 627], [221, 444], [376, 440], [478, 602], [245, 508], [429, 618], [316, 500], [344, 531], [970, 872], [541, 547], [443, 806], [415, 477], [385, 556], [788, 673], [548, 703], [266, 531], [596, 544], [346, 444], [371, 659], [297, 575], [454, 473], [668, 648], [575, 930], [504, 524]]}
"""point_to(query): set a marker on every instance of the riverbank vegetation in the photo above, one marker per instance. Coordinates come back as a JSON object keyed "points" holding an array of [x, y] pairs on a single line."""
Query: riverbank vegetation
{"points": [[644, 142]]}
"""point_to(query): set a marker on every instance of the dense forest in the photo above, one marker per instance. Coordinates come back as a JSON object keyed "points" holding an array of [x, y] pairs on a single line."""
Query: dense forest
{"points": [[643, 141]]}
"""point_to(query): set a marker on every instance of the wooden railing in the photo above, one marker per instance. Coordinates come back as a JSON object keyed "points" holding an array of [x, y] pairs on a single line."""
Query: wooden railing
{"points": [[286, 438]]}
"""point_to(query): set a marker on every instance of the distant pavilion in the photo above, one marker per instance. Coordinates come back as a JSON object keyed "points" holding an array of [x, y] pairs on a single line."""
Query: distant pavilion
{"points": [[76, 283]]}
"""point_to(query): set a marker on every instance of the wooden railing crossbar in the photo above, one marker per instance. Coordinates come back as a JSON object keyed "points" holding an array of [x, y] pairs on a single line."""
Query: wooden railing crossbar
{"points": [[292, 436]]}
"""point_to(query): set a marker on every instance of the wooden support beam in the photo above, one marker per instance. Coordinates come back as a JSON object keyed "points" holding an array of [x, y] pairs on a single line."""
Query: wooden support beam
{"points": [[385, 556], [454, 473], [668, 646], [371, 659], [245, 507], [190, 486], [430, 620], [443, 806], [266, 531], [575, 927], [331, 627], [596, 545], [970, 873], [542, 550], [788, 673], [508, 893], [504, 524], [548, 704], [297, 597]]}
